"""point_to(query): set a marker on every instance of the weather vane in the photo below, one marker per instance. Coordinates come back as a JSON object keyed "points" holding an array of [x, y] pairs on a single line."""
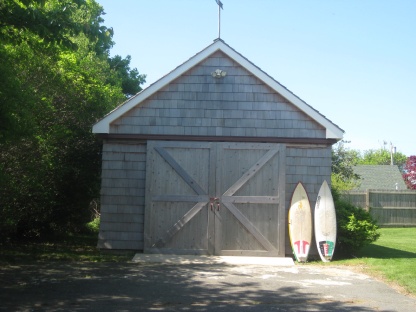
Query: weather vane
{"points": [[219, 16]]}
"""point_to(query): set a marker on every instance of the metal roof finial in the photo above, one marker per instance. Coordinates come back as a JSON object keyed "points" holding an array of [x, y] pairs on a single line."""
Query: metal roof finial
{"points": [[220, 7]]}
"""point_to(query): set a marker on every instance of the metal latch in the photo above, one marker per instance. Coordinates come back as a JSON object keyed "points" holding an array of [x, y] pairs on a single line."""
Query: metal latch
{"points": [[214, 203]]}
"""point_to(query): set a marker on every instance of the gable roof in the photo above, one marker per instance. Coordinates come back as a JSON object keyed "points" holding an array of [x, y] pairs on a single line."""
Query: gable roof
{"points": [[332, 130], [379, 177]]}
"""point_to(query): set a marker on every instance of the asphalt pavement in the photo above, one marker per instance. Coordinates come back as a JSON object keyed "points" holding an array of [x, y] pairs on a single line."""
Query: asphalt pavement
{"points": [[194, 284]]}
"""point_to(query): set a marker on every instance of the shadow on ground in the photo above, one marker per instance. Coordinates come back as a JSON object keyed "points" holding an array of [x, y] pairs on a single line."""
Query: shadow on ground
{"points": [[150, 287], [381, 252]]}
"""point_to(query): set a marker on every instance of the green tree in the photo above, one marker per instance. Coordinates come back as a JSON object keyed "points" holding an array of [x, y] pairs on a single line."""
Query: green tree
{"points": [[382, 157], [131, 79], [54, 22], [343, 161], [57, 80]]}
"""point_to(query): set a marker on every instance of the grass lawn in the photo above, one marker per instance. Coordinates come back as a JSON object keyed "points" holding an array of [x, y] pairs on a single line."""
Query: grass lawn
{"points": [[392, 257]]}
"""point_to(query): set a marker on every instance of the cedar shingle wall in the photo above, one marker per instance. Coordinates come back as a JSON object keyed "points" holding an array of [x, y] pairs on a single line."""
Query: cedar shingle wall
{"points": [[122, 196], [236, 105], [311, 166], [123, 187]]}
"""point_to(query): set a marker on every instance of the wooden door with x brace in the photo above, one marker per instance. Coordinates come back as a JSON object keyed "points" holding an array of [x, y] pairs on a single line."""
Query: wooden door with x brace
{"points": [[215, 198]]}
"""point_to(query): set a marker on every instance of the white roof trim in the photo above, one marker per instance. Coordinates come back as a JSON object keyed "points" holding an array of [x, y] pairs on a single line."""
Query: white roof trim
{"points": [[332, 130]]}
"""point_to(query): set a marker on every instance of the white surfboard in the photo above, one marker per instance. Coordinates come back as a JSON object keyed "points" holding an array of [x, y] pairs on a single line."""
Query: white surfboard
{"points": [[325, 223], [300, 223]]}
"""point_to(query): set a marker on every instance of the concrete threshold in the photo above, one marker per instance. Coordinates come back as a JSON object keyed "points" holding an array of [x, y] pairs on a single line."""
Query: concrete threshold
{"points": [[189, 259]]}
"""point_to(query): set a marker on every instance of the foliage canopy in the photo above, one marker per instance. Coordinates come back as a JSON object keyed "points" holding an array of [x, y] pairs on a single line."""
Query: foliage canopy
{"points": [[343, 161], [382, 157], [56, 80]]}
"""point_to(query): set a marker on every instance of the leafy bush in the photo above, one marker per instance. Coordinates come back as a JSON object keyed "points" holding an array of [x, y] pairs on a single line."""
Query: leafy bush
{"points": [[93, 226], [356, 227]]}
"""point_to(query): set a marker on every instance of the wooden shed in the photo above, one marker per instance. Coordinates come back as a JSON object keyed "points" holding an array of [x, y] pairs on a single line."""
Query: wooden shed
{"points": [[204, 160]]}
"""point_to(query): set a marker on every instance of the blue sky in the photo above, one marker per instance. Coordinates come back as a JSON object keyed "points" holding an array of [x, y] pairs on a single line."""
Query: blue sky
{"points": [[352, 60]]}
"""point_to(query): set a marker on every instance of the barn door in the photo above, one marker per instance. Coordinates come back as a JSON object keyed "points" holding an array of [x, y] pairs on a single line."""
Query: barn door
{"points": [[215, 198], [250, 181], [178, 184]]}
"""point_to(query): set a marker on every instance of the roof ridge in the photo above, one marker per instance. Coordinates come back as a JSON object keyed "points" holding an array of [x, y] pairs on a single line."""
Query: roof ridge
{"points": [[332, 130], [283, 86]]}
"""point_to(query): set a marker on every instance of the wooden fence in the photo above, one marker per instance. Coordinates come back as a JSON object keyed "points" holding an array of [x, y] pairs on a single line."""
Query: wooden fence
{"points": [[389, 208]]}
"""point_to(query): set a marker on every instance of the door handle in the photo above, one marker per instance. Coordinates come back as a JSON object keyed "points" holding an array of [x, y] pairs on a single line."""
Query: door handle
{"points": [[214, 203]]}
